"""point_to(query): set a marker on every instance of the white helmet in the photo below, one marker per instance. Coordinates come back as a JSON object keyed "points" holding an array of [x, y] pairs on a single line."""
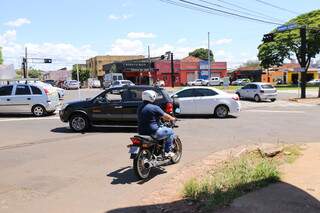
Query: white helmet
{"points": [[149, 95]]}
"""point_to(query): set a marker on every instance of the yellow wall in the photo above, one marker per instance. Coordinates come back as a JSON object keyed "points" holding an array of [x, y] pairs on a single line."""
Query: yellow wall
{"points": [[289, 76]]}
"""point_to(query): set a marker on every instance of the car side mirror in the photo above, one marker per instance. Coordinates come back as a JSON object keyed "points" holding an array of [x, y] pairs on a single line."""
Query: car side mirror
{"points": [[175, 96]]}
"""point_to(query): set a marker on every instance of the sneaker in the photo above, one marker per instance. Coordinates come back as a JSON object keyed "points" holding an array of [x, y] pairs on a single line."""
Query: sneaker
{"points": [[169, 154]]}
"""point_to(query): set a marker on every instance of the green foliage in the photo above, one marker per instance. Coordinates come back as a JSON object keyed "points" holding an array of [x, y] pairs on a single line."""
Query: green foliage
{"points": [[1, 57], [287, 44], [201, 53], [34, 73], [233, 179], [84, 74]]}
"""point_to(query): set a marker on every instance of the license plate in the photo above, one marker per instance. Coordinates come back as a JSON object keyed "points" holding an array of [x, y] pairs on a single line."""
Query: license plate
{"points": [[134, 150]]}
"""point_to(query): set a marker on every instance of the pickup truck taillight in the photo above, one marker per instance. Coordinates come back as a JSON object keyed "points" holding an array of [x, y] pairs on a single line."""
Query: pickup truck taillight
{"points": [[46, 91], [169, 107], [235, 97]]}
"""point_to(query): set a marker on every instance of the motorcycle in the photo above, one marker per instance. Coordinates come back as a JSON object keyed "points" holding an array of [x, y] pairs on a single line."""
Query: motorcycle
{"points": [[148, 152]]}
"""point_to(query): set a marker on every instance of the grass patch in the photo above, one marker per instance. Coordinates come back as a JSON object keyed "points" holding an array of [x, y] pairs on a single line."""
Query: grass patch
{"points": [[233, 179], [291, 153]]}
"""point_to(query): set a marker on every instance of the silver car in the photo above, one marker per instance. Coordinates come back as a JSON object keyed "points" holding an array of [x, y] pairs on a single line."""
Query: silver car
{"points": [[28, 98], [258, 91]]}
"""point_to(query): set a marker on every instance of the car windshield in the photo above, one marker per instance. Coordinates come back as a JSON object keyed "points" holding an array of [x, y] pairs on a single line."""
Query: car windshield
{"points": [[267, 86]]}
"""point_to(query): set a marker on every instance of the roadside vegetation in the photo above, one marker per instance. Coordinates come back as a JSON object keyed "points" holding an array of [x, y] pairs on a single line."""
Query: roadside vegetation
{"points": [[237, 177]]}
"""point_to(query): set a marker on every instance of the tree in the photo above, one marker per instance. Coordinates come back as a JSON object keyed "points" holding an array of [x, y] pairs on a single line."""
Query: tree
{"points": [[201, 53], [34, 73], [1, 58], [251, 63], [288, 45], [84, 74]]}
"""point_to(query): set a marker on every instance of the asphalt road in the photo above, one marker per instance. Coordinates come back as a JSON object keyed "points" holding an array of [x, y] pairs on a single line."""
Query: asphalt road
{"points": [[44, 167]]}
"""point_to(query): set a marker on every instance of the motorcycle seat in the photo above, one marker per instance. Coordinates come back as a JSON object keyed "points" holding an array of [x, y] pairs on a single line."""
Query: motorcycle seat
{"points": [[145, 137]]}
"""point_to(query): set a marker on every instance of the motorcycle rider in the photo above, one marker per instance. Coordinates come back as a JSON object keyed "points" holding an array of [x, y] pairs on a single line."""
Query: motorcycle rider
{"points": [[149, 116]]}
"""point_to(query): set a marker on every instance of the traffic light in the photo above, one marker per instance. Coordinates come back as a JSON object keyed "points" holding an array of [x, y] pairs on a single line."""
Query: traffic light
{"points": [[268, 37], [47, 60]]}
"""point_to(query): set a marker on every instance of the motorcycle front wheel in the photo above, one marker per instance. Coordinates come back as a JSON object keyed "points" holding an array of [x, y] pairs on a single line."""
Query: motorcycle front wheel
{"points": [[177, 150], [141, 165]]}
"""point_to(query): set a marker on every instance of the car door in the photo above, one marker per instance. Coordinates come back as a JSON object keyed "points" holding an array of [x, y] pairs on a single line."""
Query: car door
{"points": [[185, 99], [22, 98], [108, 107], [253, 90], [132, 99], [5, 98], [244, 91], [205, 101]]}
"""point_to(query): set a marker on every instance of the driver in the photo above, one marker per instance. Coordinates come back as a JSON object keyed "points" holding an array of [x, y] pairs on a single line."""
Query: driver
{"points": [[149, 116]]}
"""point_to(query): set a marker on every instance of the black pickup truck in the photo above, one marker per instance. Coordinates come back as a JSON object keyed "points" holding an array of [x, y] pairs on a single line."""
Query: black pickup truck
{"points": [[112, 107]]}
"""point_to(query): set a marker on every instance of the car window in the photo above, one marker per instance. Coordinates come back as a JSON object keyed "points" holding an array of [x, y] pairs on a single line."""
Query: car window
{"points": [[267, 86], [114, 78], [116, 95], [5, 90], [204, 92], [246, 87], [136, 95], [185, 93], [35, 90], [23, 90], [253, 86]]}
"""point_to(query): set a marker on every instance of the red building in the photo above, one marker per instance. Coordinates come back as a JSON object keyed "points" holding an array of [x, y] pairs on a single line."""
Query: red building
{"points": [[189, 69], [163, 71], [219, 69]]}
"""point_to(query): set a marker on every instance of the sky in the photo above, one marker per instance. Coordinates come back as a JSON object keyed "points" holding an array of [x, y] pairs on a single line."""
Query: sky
{"points": [[70, 31]]}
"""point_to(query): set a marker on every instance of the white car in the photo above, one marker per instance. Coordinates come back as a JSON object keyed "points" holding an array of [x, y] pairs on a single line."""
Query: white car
{"points": [[28, 98], [94, 83], [206, 101], [314, 82], [258, 91], [121, 83], [71, 84], [198, 82], [215, 81]]}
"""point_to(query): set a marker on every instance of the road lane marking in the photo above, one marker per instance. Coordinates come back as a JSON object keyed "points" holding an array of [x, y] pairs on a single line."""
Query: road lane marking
{"points": [[29, 119], [275, 111]]}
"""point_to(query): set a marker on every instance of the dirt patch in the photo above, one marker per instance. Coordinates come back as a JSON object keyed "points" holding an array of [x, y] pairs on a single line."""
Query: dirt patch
{"points": [[314, 101]]}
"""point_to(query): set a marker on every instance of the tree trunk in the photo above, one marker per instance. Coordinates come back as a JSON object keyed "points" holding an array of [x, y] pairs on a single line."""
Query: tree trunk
{"points": [[319, 92]]}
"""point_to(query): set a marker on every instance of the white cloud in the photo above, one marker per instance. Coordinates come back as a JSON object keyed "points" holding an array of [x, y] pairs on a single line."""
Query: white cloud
{"points": [[7, 37], [119, 17], [219, 53], [138, 35], [222, 41], [18, 22], [127, 47]]}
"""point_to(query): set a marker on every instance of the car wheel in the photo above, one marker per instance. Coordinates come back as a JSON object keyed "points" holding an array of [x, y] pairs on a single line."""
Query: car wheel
{"points": [[221, 111], [38, 110], [273, 100], [79, 122], [221, 84], [257, 98]]}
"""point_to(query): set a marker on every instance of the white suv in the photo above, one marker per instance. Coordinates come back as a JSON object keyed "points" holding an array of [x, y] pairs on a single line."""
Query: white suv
{"points": [[258, 91], [26, 98]]}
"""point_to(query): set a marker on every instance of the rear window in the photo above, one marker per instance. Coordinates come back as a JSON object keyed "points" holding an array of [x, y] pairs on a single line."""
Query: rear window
{"points": [[267, 86], [5, 90]]}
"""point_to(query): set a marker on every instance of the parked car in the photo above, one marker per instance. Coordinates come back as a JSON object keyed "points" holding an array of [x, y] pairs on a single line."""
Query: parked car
{"points": [[114, 106], [71, 84], [51, 82], [314, 82], [197, 82], [241, 82], [28, 98], [94, 83], [215, 81], [121, 83], [258, 91], [209, 101], [109, 78]]}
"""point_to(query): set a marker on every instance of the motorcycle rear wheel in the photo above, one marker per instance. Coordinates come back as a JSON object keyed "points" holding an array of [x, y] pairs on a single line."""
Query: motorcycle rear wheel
{"points": [[140, 163], [177, 149]]}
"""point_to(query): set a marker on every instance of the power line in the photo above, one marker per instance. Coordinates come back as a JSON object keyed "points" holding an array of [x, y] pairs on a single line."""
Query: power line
{"points": [[247, 9], [277, 7], [229, 13]]}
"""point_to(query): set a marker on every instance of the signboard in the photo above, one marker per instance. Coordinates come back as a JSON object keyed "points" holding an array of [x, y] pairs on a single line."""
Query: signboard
{"points": [[287, 27], [136, 66]]}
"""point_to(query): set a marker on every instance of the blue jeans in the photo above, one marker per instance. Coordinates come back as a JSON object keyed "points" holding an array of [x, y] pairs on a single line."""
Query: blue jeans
{"points": [[165, 133]]}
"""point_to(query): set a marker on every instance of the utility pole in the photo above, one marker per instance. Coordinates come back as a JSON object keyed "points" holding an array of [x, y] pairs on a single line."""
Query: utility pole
{"points": [[78, 79], [209, 63], [172, 71], [303, 53], [149, 66], [25, 63]]}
